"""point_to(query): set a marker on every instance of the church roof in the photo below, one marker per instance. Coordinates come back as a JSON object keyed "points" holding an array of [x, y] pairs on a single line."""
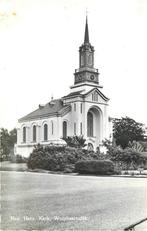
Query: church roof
{"points": [[84, 93], [53, 108], [72, 94]]}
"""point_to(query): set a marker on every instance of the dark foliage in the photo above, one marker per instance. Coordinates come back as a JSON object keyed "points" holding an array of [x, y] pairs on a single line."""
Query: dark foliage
{"points": [[98, 167], [127, 129], [7, 141], [127, 158], [13, 137], [56, 158], [4, 144], [75, 141]]}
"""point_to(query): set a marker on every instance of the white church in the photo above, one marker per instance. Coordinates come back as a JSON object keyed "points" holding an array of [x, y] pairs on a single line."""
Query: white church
{"points": [[83, 112]]}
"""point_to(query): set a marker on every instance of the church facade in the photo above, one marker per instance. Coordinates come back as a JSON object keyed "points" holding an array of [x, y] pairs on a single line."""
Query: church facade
{"points": [[83, 112]]}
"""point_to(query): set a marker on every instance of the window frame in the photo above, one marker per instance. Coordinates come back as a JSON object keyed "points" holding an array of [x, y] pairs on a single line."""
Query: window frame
{"points": [[81, 108], [64, 127], [45, 132], [90, 124], [81, 128], [34, 133], [74, 106], [24, 134], [75, 128]]}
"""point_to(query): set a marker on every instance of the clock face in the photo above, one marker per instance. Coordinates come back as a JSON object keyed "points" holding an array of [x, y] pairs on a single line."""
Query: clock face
{"points": [[92, 77]]}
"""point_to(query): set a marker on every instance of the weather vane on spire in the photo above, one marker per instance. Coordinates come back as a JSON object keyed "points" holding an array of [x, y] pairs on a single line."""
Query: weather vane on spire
{"points": [[86, 12]]}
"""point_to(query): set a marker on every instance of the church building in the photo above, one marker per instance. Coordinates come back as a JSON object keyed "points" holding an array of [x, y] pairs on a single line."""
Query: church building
{"points": [[83, 112]]}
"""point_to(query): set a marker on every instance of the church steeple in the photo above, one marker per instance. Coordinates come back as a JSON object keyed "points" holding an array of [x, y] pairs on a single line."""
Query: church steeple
{"points": [[86, 74], [86, 50], [86, 37]]}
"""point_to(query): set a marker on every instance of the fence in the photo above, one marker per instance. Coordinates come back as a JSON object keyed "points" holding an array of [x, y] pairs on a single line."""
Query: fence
{"points": [[132, 227]]}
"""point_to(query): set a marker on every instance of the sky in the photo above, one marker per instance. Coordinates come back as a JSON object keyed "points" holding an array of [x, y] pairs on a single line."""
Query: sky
{"points": [[39, 43]]}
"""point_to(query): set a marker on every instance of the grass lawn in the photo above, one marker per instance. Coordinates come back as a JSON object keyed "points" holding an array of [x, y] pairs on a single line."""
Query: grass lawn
{"points": [[8, 166], [36, 201]]}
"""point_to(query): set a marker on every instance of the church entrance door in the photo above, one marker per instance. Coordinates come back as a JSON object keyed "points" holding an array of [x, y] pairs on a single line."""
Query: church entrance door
{"points": [[94, 124], [64, 129]]}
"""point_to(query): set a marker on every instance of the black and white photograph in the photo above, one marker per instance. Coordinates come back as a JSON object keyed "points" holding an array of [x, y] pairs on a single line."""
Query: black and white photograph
{"points": [[73, 115]]}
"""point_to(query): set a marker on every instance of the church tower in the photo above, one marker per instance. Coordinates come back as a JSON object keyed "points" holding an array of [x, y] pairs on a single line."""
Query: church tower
{"points": [[86, 75]]}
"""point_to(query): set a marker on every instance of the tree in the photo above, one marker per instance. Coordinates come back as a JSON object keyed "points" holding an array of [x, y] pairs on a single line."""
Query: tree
{"points": [[13, 137], [7, 141], [4, 141], [127, 129]]}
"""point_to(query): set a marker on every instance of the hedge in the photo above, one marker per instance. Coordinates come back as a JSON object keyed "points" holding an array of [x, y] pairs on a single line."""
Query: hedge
{"points": [[98, 167]]}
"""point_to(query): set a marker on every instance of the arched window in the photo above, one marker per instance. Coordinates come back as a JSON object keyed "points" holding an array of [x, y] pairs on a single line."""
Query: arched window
{"points": [[24, 134], [81, 108], [90, 124], [81, 128], [34, 133], [52, 127], [74, 128], [45, 132], [64, 129]]}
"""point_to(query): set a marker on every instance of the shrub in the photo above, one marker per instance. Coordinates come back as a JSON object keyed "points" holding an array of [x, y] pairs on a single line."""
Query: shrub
{"points": [[56, 158], [127, 158], [136, 145], [98, 167], [47, 158]]}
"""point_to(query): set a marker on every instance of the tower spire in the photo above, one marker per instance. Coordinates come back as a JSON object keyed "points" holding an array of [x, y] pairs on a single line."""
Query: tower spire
{"points": [[86, 37], [86, 74]]}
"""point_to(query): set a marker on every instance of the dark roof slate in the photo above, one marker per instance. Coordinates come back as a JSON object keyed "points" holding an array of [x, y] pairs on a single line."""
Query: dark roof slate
{"points": [[54, 107], [76, 93]]}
